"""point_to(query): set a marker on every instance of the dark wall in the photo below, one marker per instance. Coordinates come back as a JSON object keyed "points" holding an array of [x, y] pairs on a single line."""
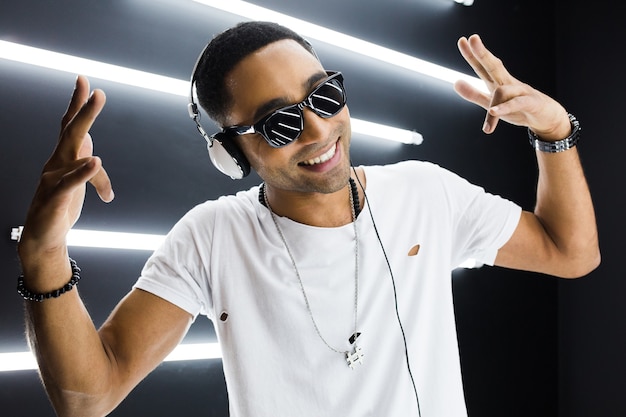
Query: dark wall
{"points": [[507, 320], [592, 312]]}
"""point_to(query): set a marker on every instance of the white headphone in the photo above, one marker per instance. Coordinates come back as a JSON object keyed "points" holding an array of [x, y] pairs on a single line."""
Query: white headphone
{"points": [[224, 153]]}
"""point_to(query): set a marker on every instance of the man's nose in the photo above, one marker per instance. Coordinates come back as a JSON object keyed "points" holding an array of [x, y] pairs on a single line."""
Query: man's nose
{"points": [[315, 127]]}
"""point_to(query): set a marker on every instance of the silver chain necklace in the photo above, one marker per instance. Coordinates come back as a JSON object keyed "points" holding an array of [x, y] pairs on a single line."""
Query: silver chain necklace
{"points": [[356, 355]]}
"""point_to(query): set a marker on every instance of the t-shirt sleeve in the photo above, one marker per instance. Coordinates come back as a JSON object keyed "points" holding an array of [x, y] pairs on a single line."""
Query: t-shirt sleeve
{"points": [[481, 222], [177, 271], [471, 223]]}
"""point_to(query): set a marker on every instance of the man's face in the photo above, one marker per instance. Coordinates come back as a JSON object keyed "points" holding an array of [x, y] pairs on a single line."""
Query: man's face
{"points": [[281, 74]]}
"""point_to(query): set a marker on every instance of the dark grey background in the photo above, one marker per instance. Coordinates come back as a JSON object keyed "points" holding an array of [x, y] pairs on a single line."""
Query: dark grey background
{"points": [[530, 345]]}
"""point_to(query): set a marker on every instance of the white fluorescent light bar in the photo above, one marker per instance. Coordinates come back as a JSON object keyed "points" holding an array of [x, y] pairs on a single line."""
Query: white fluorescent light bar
{"points": [[75, 65], [101, 239], [195, 351], [22, 361], [88, 67], [386, 132], [341, 40], [465, 2], [113, 240], [17, 361]]}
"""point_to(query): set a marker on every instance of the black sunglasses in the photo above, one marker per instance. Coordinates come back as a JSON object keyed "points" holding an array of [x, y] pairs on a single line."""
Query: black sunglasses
{"points": [[283, 126]]}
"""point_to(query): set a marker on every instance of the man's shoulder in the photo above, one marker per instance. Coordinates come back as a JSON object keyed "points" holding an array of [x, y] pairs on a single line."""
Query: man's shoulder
{"points": [[409, 168], [240, 202]]}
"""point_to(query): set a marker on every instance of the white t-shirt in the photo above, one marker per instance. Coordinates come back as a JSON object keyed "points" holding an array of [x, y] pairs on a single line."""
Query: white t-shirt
{"points": [[226, 257]]}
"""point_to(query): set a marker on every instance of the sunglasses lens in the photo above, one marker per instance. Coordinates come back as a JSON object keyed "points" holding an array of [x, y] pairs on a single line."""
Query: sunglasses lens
{"points": [[328, 99], [284, 126]]}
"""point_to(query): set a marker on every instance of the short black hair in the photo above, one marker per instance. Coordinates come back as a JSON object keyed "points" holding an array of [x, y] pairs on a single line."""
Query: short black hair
{"points": [[224, 52]]}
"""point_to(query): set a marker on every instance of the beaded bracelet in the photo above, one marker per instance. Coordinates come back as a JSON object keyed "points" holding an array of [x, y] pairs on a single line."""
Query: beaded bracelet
{"points": [[32, 296]]}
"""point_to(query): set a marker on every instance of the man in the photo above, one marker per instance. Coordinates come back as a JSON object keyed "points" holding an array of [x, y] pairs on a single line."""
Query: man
{"points": [[329, 286]]}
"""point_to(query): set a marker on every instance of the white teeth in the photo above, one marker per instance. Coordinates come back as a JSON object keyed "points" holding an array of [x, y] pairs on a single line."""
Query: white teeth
{"points": [[322, 158]]}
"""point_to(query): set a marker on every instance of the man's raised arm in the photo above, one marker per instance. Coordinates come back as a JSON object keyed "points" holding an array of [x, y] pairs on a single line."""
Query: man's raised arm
{"points": [[86, 372], [560, 237]]}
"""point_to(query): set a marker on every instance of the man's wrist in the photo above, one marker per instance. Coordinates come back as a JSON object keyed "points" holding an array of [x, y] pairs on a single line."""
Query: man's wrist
{"points": [[43, 270], [558, 145], [27, 294]]}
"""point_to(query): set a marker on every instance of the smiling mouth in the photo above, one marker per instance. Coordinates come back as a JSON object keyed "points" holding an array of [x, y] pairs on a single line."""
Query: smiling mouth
{"points": [[322, 158]]}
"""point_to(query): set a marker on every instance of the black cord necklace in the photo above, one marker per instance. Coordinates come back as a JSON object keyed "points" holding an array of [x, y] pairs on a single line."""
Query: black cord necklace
{"points": [[353, 189]]}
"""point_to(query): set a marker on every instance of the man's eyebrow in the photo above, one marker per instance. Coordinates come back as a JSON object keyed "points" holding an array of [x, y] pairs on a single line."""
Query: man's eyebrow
{"points": [[268, 106], [279, 102], [314, 79]]}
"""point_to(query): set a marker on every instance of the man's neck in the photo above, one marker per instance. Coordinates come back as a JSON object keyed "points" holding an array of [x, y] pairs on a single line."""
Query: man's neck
{"points": [[316, 209]]}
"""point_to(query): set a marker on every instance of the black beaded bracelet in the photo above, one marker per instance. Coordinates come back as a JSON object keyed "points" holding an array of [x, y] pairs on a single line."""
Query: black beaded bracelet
{"points": [[32, 296]]}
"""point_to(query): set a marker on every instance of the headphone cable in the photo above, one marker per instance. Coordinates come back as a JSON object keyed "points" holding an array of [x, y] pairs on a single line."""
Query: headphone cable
{"points": [[395, 294]]}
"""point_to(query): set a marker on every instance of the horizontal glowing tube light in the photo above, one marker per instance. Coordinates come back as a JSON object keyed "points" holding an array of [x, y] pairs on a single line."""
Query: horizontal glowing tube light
{"points": [[102, 239], [341, 40], [75, 65], [113, 240], [23, 361], [386, 132]]}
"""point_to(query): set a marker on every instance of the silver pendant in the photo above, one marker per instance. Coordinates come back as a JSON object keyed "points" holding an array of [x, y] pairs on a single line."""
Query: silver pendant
{"points": [[355, 357]]}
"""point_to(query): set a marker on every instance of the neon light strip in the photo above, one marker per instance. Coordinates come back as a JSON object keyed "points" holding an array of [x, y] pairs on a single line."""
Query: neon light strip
{"points": [[17, 361], [88, 67], [341, 40], [75, 65], [101, 239], [22, 361], [113, 240], [386, 132]]}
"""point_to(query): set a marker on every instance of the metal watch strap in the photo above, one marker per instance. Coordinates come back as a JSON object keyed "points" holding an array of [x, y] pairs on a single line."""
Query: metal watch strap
{"points": [[559, 145]]}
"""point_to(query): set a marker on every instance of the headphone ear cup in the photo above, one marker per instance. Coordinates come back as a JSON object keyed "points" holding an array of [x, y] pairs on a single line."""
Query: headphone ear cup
{"points": [[227, 157]]}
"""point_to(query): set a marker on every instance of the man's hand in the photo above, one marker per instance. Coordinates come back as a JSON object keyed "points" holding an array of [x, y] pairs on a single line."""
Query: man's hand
{"points": [[560, 237], [509, 99], [59, 197]]}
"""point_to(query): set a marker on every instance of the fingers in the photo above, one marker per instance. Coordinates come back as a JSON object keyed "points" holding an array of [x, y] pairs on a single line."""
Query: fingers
{"points": [[516, 104], [79, 117], [509, 99], [503, 87], [78, 173], [89, 169], [76, 130], [102, 184], [490, 123], [75, 143], [472, 94], [59, 197], [79, 98], [469, 93], [508, 103], [73, 176], [486, 65]]}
